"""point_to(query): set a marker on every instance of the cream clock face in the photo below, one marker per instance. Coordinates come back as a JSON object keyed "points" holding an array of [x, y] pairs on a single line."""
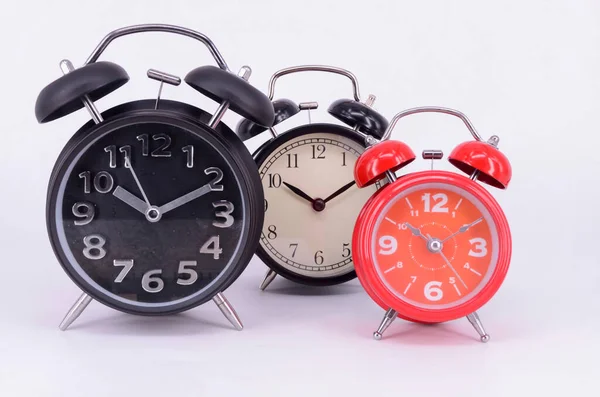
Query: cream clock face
{"points": [[306, 231]]}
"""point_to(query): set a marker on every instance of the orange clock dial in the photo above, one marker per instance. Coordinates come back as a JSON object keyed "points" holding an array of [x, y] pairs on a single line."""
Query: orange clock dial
{"points": [[435, 245]]}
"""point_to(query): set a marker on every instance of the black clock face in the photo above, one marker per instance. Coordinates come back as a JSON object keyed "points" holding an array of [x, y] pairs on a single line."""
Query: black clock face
{"points": [[148, 215]]}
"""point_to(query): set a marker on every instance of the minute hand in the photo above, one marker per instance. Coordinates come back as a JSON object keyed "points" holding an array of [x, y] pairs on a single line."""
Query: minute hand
{"points": [[186, 198], [340, 191], [463, 229]]}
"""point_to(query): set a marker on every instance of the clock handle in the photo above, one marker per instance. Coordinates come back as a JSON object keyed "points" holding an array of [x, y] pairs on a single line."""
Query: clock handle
{"points": [[480, 159], [430, 109], [315, 68], [158, 28]]}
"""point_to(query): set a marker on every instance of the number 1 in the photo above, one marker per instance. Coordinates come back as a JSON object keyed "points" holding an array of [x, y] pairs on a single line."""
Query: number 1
{"points": [[189, 149]]}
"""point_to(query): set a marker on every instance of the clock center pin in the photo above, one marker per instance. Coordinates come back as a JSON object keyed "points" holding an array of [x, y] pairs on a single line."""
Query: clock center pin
{"points": [[318, 205], [153, 214], [434, 245]]}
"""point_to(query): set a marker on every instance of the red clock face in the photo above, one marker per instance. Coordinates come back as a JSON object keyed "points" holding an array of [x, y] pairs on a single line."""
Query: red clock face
{"points": [[433, 245]]}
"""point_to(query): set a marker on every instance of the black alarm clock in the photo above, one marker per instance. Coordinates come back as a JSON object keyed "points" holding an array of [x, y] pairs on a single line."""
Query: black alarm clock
{"points": [[154, 206], [311, 199]]}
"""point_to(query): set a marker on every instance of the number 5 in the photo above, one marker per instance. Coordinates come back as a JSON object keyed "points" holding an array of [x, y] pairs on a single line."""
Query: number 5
{"points": [[183, 269]]}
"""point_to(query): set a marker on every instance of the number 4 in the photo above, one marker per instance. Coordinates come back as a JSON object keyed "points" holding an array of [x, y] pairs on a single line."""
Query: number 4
{"points": [[216, 249]]}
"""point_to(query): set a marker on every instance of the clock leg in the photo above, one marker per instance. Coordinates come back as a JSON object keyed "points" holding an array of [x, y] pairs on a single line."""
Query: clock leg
{"points": [[269, 277], [228, 311], [476, 323], [389, 317], [78, 308]]}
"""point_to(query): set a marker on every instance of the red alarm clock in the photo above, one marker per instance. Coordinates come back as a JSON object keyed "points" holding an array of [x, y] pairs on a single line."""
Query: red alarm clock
{"points": [[432, 246]]}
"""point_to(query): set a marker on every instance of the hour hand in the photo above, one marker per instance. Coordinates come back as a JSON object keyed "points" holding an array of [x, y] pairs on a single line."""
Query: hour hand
{"points": [[299, 192], [415, 231], [130, 199]]}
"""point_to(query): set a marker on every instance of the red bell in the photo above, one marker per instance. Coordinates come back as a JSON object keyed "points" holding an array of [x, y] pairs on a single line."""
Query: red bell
{"points": [[494, 167], [376, 160]]}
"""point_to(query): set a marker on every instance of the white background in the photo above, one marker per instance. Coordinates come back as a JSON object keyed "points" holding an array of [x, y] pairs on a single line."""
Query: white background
{"points": [[525, 70]]}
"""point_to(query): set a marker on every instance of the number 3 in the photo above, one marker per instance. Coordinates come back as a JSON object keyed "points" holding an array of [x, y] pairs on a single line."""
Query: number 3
{"points": [[226, 214], [480, 250]]}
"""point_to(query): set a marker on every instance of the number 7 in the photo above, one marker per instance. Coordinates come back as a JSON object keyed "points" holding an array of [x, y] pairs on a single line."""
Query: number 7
{"points": [[127, 265], [295, 245]]}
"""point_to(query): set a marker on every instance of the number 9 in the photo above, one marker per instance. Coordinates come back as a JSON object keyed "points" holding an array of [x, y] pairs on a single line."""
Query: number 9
{"points": [[388, 245], [87, 214]]}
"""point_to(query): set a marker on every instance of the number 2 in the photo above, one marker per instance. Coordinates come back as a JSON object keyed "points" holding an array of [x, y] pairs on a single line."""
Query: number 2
{"points": [[214, 184]]}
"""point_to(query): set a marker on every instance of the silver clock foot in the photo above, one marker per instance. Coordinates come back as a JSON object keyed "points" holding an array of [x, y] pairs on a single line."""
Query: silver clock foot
{"points": [[82, 302], [389, 317], [228, 311], [269, 277], [476, 323]]}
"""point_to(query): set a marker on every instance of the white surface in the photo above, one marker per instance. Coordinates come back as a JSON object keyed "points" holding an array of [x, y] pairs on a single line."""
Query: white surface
{"points": [[527, 71]]}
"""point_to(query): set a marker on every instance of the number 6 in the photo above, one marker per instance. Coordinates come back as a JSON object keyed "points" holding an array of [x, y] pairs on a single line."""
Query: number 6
{"points": [[433, 292]]}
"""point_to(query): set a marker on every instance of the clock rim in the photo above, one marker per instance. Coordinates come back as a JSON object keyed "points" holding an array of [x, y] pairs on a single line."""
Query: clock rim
{"points": [[365, 266], [261, 155], [184, 116]]}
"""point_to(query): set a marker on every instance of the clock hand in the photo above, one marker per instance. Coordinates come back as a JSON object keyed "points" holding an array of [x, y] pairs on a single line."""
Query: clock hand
{"points": [[452, 268], [130, 199], [299, 192], [137, 181], [415, 231], [186, 198], [463, 228], [340, 191]]}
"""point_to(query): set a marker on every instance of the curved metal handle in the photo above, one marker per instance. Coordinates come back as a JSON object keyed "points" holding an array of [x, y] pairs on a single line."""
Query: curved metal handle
{"points": [[430, 109], [314, 68], [157, 28]]}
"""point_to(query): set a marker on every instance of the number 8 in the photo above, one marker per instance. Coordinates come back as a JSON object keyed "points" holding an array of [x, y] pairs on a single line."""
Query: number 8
{"points": [[90, 245]]}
